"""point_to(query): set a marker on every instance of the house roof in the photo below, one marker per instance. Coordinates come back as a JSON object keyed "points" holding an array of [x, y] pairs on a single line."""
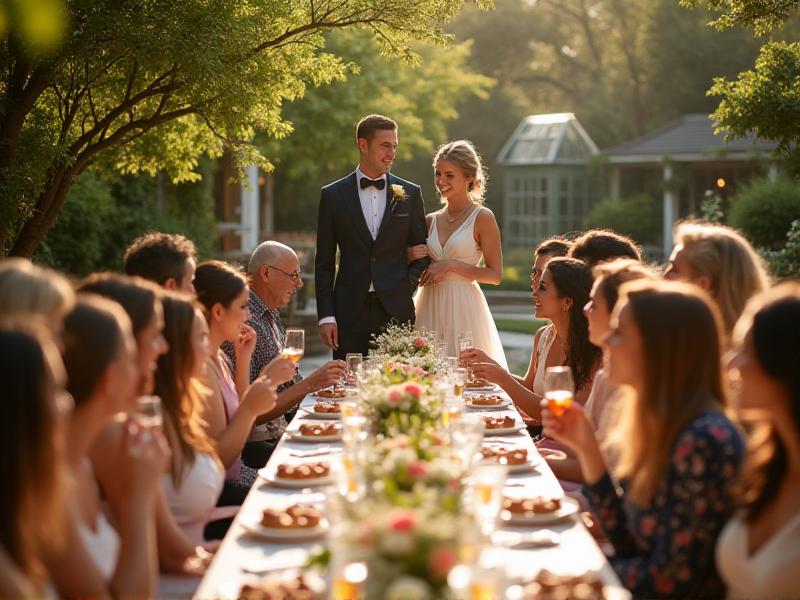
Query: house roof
{"points": [[551, 139], [692, 138]]}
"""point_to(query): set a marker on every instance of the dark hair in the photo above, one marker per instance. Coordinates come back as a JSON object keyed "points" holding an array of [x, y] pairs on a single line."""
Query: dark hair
{"points": [[614, 273], [217, 282], [554, 246], [367, 126], [135, 295], [573, 279], [599, 245], [94, 331], [159, 256], [774, 331], [31, 469]]}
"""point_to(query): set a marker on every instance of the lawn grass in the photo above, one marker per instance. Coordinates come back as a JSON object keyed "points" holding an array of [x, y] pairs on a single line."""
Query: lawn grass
{"points": [[520, 325]]}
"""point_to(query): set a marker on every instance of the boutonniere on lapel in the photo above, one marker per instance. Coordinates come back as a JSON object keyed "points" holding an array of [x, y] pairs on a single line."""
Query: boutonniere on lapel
{"points": [[398, 195]]}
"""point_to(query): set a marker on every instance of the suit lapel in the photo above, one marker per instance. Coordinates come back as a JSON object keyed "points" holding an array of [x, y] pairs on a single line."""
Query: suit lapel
{"points": [[353, 203], [387, 211]]}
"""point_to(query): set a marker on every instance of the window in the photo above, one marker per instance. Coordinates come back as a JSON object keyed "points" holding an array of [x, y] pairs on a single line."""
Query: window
{"points": [[526, 221]]}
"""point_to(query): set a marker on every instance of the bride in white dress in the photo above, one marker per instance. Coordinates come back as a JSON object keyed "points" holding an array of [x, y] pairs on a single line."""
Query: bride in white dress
{"points": [[449, 300]]}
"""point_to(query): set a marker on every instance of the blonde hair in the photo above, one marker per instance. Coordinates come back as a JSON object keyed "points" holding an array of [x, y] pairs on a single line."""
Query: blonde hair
{"points": [[681, 332], [26, 289], [462, 153], [734, 270]]}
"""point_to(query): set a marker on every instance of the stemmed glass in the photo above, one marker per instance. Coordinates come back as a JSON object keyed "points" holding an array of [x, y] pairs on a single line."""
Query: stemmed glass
{"points": [[460, 376], [354, 361], [295, 345], [558, 389], [488, 479]]}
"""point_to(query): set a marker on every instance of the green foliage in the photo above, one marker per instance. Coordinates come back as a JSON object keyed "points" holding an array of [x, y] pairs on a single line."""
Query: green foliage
{"points": [[104, 213], [785, 263], [762, 15], [636, 216], [764, 210], [711, 207], [148, 86], [765, 100]]}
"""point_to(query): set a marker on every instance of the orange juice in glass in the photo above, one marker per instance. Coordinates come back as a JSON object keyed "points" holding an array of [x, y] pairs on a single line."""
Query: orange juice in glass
{"points": [[294, 345], [293, 354], [558, 401], [347, 582]]}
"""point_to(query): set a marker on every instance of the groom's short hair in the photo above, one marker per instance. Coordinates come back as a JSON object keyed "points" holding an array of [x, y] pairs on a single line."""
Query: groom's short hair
{"points": [[367, 126]]}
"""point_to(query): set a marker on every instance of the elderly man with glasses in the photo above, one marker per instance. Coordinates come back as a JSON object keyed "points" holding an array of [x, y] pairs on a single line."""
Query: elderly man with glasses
{"points": [[274, 274]]}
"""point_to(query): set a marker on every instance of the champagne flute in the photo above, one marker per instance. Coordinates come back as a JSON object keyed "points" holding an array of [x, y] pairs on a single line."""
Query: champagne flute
{"points": [[148, 412], [354, 361], [559, 389], [295, 345], [459, 381]]}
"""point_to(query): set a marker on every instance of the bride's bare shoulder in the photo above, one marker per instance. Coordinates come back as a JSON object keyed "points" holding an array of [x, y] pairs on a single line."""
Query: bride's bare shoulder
{"points": [[430, 216]]}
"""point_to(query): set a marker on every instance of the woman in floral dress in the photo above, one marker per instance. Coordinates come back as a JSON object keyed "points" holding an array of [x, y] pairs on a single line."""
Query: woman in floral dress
{"points": [[668, 500]]}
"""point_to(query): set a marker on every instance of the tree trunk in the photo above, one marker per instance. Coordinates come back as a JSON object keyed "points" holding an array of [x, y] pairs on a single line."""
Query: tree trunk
{"points": [[44, 215]]}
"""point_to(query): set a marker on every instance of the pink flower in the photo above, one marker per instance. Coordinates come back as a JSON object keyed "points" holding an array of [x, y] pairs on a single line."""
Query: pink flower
{"points": [[420, 342], [441, 561], [413, 389], [402, 521], [417, 469], [395, 397]]}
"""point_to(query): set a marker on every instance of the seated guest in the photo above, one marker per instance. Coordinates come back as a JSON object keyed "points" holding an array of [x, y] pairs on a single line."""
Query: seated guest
{"points": [[722, 262], [680, 450], [601, 406], [32, 426], [274, 274], [758, 554], [231, 410], [26, 289], [141, 300], [100, 360], [599, 245], [195, 476], [561, 295], [167, 259], [549, 248]]}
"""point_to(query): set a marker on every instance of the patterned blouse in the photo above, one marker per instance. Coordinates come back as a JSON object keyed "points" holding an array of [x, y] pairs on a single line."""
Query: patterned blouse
{"points": [[270, 337], [666, 549]]}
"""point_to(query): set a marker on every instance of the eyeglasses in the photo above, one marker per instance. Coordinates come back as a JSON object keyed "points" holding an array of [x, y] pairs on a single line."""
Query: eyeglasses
{"points": [[294, 277]]}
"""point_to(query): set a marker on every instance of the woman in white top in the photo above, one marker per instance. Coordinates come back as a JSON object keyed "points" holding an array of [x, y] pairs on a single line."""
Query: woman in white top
{"points": [[450, 301], [758, 553], [562, 292], [195, 476]]}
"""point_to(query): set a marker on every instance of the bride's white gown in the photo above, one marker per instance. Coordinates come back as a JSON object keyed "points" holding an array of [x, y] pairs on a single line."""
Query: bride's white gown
{"points": [[457, 304]]}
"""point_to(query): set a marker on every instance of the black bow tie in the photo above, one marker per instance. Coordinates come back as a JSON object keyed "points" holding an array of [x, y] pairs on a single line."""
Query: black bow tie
{"points": [[378, 183]]}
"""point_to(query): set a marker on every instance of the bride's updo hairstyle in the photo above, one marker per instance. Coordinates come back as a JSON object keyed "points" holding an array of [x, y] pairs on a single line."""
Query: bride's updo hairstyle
{"points": [[463, 154]]}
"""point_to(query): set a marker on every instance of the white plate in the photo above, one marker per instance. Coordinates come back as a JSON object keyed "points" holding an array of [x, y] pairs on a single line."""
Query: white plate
{"points": [[505, 431], [270, 476], [311, 415], [504, 402], [253, 525], [568, 508], [492, 387], [298, 437]]}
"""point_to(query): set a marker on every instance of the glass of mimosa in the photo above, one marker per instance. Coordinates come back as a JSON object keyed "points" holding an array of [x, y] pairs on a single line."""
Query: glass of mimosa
{"points": [[295, 344], [559, 389]]}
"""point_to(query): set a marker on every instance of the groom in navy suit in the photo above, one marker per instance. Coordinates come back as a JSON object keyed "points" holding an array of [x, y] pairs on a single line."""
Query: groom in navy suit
{"points": [[372, 217]]}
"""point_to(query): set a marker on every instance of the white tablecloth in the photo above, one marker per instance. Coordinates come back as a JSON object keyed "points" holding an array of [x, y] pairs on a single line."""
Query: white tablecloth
{"points": [[576, 554]]}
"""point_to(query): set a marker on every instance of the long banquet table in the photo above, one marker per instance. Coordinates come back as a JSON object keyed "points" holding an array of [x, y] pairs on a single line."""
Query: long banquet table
{"points": [[240, 551]]}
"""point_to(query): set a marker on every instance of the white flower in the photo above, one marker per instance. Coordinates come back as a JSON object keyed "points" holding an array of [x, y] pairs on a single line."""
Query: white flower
{"points": [[398, 192], [408, 588]]}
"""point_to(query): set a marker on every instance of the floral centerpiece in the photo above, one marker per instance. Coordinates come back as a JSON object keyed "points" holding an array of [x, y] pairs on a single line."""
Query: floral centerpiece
{"points": [[402, 346], [400, 407]]}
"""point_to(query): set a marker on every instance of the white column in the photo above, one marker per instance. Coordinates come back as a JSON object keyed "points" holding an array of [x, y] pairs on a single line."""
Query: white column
{"points": [[249, 212], [670, 210], [772, 171]]}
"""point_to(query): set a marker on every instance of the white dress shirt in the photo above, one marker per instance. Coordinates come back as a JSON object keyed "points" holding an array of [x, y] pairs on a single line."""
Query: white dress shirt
{"points": [[373, 205]]}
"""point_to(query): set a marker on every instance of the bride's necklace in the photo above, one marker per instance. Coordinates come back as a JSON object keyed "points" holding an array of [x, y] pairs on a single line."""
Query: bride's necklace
{"points": [[461, 212]]}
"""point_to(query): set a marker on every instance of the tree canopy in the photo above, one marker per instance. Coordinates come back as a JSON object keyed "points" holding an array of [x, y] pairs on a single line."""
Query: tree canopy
{"points": [[143, 86]]}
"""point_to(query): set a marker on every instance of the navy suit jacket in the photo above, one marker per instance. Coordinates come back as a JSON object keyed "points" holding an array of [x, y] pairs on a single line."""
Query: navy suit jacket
{"points": [[340, 225]]}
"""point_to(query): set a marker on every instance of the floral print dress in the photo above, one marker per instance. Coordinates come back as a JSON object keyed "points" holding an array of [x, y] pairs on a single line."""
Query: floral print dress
{"points": [[666, 549]]}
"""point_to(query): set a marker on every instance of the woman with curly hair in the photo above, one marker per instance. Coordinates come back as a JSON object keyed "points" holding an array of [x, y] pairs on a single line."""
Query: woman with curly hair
{"points": [[562, 293]]}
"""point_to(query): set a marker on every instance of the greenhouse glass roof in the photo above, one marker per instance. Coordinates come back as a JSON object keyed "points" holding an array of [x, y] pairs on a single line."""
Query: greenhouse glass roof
{"points": [[548, 139]]}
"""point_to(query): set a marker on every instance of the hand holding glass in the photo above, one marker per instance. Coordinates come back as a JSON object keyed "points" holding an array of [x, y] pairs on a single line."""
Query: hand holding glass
{"points": [[148, 412]]}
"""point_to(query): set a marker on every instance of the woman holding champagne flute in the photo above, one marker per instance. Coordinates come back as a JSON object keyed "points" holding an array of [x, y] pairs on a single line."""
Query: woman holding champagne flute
{"points": [[669, 497]]}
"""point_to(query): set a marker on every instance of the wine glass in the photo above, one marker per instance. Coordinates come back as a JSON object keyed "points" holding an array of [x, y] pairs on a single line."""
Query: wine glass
{"points": [[354, 361], [460, 376], [559, 389], [488, 479], [148, 412], [465, 341], [295, 345]]}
